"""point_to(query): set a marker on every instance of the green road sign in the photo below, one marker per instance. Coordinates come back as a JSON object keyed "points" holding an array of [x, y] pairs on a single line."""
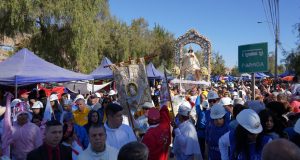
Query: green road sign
{"points": [[253, 58]]}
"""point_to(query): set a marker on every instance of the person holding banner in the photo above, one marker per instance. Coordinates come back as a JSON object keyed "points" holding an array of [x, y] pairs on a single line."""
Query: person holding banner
{"points": [[158, 136]]}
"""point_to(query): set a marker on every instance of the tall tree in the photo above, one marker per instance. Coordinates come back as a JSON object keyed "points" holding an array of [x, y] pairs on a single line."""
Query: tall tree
{"points": [[292, 59], [235, 71], [62, 32], [163, 45], [217, 64], [280, 68]]}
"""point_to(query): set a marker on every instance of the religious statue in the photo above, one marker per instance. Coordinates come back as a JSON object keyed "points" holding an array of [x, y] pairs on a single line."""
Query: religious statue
{"points": [[190, 66]]}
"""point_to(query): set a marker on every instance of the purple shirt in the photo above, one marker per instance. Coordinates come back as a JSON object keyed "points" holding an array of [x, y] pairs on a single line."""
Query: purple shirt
{"points": [[25, 139]]}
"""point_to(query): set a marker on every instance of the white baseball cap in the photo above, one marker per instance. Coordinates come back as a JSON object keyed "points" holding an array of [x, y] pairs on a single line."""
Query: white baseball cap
{"points": [[217, 111], [249, 120], [212, 95], [147, 105], [226, 101], [297, 126], [112, 92], [37, 104], [53, 97], [184, 108], [79, 96]]}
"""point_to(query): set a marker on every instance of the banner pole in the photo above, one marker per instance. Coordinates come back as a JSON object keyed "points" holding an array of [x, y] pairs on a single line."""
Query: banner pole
{"points": [[168, 88]]}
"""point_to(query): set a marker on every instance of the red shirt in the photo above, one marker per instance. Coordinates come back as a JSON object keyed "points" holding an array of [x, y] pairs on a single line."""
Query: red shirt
{"points": [[158, 139]]}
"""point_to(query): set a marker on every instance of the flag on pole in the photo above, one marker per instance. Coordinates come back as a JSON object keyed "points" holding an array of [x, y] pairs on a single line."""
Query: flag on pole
{"points": [[48, 111], [165, 97], [7, 127]]}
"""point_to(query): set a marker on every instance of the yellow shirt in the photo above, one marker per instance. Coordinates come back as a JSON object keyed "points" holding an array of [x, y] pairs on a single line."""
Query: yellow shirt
{"points": [[81, 118]]}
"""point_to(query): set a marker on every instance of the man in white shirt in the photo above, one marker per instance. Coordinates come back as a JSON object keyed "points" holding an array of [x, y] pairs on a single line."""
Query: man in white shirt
{"points": [[186, 144], [97, 148], [118, 134]]}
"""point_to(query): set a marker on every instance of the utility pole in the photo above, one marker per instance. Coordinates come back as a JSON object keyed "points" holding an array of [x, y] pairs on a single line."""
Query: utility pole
{"points": [[276, 44], [276, 50]]}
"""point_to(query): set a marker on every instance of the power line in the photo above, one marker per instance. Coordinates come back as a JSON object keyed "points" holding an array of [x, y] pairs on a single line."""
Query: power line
{"points": [[267, 19]]}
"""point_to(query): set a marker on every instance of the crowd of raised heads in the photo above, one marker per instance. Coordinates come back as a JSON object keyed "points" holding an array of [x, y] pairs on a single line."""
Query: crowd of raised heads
{"points": [[221, 121]]}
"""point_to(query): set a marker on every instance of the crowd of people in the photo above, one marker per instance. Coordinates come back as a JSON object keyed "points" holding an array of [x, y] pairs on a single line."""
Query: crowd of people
{"points": [[221, 121]]}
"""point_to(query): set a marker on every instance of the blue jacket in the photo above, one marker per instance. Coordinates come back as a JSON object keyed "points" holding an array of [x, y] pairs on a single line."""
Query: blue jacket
{"points": [[81, 135], [213, 134], [255, 154], [201, 122], [290, 132]]}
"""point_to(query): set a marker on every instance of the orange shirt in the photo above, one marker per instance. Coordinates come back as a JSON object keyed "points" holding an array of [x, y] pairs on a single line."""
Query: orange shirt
{"points": [[81, 118]]}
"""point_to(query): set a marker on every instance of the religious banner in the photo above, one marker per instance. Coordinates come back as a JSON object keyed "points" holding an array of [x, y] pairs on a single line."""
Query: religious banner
{"points": [[132, 84]]}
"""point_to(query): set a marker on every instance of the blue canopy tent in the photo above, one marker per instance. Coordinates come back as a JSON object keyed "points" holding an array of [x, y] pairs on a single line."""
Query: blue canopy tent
{"points": [[25, 68], [103, 72], [287, 73], [153, 73], [269, 74], [260, 75]]}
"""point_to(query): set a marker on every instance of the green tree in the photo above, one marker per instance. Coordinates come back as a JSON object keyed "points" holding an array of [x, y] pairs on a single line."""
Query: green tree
{"points": [[235, 71], [292, 59], [217, 64], [64, 32], [162, 43], [77, 34], [280, 67]]}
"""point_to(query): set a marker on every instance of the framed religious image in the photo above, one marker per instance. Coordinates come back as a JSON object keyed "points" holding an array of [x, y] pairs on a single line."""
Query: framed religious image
{"points": [[132, 89]]}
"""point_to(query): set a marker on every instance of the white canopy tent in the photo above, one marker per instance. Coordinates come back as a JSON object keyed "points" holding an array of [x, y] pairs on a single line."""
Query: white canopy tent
{"points": [[190, 82], [84, 87]]}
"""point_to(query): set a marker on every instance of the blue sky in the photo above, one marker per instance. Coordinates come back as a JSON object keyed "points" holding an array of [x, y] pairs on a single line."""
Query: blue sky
{"points": [[226, 23]]}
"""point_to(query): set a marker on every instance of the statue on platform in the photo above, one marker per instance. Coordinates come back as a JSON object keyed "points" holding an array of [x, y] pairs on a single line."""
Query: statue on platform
{"points": [[190, 66]]}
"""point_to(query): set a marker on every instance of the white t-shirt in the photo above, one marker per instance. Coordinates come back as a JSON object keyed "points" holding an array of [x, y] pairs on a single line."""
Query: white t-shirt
{"points": [[119, 137]]}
